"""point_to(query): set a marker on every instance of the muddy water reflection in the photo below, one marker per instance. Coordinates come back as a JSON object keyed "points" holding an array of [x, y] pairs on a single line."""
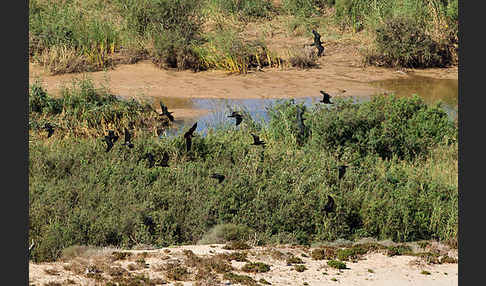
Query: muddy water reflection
{"points": [[430, 89]]}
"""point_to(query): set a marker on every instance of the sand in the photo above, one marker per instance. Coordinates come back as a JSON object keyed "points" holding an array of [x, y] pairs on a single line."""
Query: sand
{"points": [[374, 269]]}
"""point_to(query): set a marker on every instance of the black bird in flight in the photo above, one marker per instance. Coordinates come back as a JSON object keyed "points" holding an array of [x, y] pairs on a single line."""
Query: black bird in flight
{"points": [[165, 111], [317, 43], [342, 171], [300, 124], [150, 157], [112, 136], [257, 141], [164, 161], [218, 176], [127, 142], [325, 97], [238, 117], [188, 136], [330, 205], [109, 143], [49, 128]]}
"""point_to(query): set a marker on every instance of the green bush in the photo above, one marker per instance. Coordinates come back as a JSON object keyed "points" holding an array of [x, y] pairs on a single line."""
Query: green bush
{"points": [[245, 10], [303, 8], [84, 109], [174, 27], [81, 195], [226, 232], [403, 42]]}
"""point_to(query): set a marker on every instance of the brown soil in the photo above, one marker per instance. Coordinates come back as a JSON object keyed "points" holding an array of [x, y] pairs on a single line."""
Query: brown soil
{"points": [[339, 69]]}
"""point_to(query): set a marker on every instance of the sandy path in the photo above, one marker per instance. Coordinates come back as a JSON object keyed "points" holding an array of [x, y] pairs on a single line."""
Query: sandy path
{"points": [[374, 269]]}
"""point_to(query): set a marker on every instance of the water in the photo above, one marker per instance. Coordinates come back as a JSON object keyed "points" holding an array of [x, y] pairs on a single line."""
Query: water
{"points": [[430, 89]]}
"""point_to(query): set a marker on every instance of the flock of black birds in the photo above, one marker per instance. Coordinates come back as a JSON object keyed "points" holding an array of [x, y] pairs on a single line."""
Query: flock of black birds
{"points": [[111, 138]]}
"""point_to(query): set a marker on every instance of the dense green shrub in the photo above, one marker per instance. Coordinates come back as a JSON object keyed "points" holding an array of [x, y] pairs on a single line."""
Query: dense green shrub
{"points": [[385, 126], [304, 8], [81, 195], [83, 109], [245, 10], [403, 42]]}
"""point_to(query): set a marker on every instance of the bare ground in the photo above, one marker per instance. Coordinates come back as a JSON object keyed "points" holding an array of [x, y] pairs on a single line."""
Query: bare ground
{"points": [[339, 69], [374, 268]]}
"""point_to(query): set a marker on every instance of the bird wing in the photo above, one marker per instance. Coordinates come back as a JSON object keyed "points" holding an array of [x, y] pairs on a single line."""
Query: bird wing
{"points": [[191, 130], [127, 135], [171, 118], [165, 157], [163, 107], [188, 143], [238, 120], [255, 138], [109, 145]]}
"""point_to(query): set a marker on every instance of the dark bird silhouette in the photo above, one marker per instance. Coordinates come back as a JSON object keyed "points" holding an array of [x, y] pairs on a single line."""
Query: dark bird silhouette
{"points": [[164, 161], [342, 171], [127, 142], [325, 97], [188, 136], [330, 205], [218, 176], [112, 136], [300, 125], [165, 111], [109, 143], [257, 141], [317, 43], [238, 117], [150, 157], [49, 128]]}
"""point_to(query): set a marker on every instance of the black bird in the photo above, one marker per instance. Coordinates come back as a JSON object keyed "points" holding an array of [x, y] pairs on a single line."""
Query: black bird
{"points": [[330, 205], [112, 136], [238, 117], [188, 136], [165, 111], [164, 161], [127, 142], [300, 118], [257, 141], [325, 97], [218, 176], [317, 43], [342, 171], [109, 143], [49, 128], [150, 157]]}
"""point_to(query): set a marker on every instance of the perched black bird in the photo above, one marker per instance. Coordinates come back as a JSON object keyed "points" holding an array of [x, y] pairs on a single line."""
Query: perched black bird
{"points": [[317, 43], [325, 97], [49, 128], [165, 111], [112, 136], [188, 136], [330, 205], [109, 143], [238, 117], [218, 176], [127, 142], [164, 161], [257, 141], [342, 171]]}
